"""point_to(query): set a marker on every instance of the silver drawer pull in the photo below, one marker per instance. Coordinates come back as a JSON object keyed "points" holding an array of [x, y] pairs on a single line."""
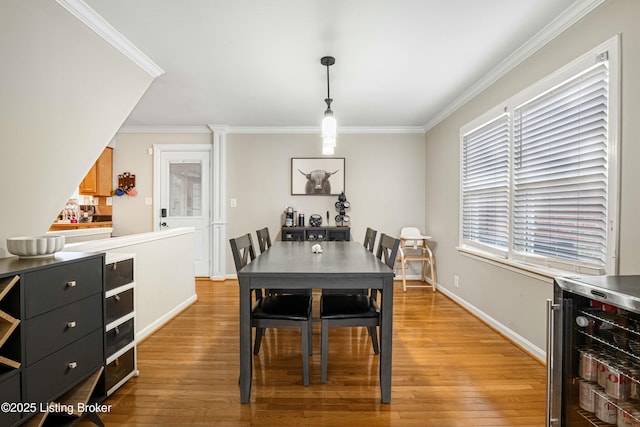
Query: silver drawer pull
{"points": [[117, 297], [115, 266], [117, 330], [72, 284], [72, 365], [71, 324]]}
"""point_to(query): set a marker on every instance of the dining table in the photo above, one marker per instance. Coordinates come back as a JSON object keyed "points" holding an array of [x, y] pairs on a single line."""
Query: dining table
{"points": [[294, 265]]}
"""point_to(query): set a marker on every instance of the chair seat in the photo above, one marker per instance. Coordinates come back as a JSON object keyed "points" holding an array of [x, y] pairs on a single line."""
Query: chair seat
{"points": [[290, 307], [348, 306]]}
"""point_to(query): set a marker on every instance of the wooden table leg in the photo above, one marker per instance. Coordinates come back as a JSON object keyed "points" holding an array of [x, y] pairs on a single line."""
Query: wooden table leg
{"points": [[245, 341], [386, 335]]}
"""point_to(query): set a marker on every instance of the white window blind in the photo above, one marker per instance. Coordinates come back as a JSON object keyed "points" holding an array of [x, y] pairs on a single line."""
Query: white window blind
{"points": [[485, 184], [561, 172]]}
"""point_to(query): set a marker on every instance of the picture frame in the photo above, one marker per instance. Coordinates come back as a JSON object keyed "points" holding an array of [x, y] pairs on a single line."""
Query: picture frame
{"points": [[317, 176]]}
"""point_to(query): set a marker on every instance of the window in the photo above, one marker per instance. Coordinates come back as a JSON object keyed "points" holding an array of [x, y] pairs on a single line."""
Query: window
{"points": [[485, 189], [539, 179]]}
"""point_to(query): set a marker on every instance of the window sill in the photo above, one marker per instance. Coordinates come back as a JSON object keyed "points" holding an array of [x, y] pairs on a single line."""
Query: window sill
{"points": [[535, 271]]}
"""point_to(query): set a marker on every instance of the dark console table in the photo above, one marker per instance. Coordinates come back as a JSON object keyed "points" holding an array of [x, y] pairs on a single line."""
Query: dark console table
{"points": [[331, 234]]}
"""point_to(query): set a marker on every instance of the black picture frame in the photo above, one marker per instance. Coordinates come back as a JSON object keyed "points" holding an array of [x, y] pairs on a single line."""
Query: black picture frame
{"points": [[317, 176]]}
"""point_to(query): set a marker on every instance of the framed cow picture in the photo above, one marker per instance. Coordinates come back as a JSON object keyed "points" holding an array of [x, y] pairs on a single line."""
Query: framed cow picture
{"points": [[317, 176]]}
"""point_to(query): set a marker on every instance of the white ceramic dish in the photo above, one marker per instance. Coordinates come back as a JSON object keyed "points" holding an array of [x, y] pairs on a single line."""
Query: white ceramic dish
{"points": [[35, 246]]}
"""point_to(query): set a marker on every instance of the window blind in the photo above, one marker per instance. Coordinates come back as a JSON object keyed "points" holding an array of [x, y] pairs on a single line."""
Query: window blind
{"points": [[561, 172], [485, 184]]}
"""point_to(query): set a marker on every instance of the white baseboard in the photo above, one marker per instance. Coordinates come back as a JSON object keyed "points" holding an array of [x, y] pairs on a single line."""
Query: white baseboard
{"points": [[158, 323], [525, 344]]}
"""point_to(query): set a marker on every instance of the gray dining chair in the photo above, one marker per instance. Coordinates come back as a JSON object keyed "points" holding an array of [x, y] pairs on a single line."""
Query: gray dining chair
{"points": [[357, 309], [264, 240], [370, 239], [275, 311], [369, 243]]}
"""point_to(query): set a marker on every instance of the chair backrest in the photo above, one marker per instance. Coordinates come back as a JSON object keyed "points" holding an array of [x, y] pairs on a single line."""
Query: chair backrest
{"points": [[370, 239], [242, 249], [264, 241], [388, 249]]}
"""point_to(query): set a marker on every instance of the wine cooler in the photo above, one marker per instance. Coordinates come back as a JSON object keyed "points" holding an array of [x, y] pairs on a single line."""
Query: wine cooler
{"points": [[593, 352]]}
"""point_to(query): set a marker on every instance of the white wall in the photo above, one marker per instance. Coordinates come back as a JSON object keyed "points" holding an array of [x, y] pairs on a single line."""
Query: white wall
{"points": [[64, 92], [384, 181], [130, 214], [164, 273], [512, 299]]}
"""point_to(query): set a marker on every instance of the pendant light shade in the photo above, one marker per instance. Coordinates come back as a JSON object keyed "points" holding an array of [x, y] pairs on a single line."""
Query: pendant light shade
{"points": [[329, 125]]}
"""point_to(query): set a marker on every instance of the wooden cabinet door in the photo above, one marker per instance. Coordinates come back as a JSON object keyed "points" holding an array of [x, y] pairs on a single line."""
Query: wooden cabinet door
{"points": [[89, 183], [98, 180], [104, 175]]}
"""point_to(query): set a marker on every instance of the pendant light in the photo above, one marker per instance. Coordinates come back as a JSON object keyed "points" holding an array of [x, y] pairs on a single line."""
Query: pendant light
{"points": [[329, 127]]}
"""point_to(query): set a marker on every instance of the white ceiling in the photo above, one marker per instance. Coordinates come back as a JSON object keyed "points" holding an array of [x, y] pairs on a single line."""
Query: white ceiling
{"points": [[257, 63]]}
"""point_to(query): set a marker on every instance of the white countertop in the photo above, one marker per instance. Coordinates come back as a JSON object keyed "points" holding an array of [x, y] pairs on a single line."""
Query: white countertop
{"points": [[82, 232], [101, 245]]}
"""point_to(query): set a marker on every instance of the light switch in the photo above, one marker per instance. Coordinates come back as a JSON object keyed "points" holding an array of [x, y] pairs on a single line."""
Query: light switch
{"points": [[233, 203], [148, 201]]}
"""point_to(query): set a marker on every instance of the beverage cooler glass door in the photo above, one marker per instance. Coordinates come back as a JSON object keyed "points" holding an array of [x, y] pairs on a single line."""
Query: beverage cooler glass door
{"points": [[593, 352]]}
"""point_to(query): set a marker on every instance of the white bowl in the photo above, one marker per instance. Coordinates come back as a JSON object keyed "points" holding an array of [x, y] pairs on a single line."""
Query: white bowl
{"points": [[35, 246]]}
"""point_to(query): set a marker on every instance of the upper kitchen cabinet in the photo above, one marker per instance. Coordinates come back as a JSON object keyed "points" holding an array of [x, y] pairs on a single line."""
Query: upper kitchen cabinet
{"points": [[99, 179]]}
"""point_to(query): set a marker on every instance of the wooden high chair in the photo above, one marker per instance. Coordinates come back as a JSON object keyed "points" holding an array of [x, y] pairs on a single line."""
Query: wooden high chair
{"points": [[413, 247]]}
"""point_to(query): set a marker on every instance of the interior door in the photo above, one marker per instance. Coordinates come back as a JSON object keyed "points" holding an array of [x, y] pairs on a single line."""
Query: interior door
{"points": [[184, 199]]}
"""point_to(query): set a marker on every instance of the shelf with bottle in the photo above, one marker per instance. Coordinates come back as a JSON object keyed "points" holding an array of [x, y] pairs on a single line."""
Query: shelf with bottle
{"points": [[8, 321]]}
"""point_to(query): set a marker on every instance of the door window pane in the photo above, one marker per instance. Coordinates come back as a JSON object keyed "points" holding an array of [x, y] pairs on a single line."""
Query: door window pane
{"points": [[185, 189]]}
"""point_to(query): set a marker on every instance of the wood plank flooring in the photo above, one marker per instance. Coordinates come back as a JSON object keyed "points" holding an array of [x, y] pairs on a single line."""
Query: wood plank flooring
{"points": [[449, 369]]}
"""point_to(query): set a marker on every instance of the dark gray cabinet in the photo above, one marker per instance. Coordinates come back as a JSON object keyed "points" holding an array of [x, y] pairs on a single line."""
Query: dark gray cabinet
{"points": [[59, 342], [10, 349]]}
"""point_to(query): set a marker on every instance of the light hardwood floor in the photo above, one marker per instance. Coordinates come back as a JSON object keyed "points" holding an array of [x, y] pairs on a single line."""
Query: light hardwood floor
{"points": [[449, 369]]}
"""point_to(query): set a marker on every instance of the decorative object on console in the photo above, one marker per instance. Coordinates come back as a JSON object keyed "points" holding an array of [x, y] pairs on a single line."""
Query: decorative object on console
{"points": [[35, 247], [315, 220], [342, 204], [329, 126], [126, 185], [317, 176], [288, 216]]}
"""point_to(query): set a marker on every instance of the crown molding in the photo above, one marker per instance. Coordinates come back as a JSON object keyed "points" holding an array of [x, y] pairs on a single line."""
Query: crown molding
{"points": [[272, 129], [578, 10], [317, 129], [97, 23], [165, 129]]}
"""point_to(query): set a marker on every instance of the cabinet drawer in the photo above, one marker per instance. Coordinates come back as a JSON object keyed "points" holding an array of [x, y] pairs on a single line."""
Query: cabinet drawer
{"points": [[54, 374], [119, 337], [292, 235], [118, 274], [119, 368], [119, 305], [339, 235], [317, 234], [53, 330], [10, 392], [45, 290]]}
